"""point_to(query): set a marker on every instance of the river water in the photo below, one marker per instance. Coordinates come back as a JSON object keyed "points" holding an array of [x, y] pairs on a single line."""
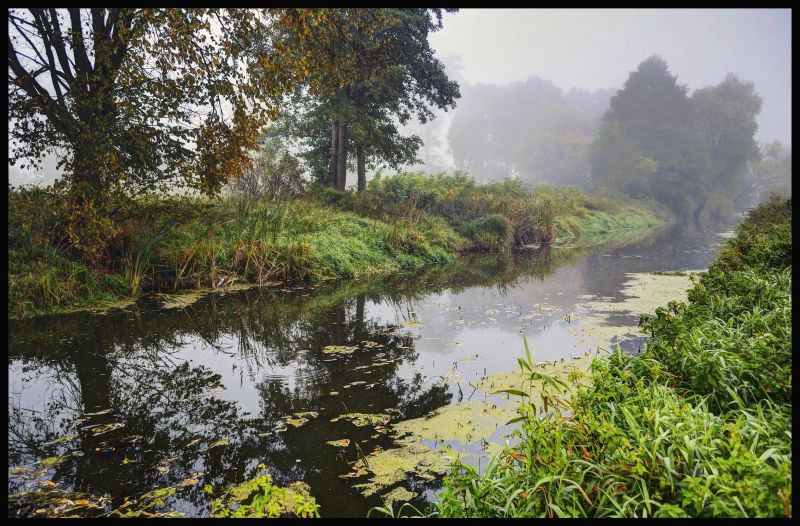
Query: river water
{"points": [[123, 403]]}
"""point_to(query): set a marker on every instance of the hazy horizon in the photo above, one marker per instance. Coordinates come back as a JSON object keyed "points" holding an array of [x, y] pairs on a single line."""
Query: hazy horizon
{"points": [[597, 49]]}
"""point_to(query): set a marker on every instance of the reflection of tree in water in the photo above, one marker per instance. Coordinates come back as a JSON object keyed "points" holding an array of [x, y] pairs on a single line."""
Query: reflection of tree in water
{"points": [[170, 415], [168, 410]]}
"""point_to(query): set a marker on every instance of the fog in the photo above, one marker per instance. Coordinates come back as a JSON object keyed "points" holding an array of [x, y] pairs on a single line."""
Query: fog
{"points": [[597, 49]]}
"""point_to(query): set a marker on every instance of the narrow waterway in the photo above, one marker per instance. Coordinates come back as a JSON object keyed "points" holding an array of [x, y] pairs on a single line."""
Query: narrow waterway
{"points": [[123, 403]]}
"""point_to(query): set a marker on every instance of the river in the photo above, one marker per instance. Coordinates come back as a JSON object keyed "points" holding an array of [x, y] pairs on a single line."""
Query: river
{"points": [[122, 403]]}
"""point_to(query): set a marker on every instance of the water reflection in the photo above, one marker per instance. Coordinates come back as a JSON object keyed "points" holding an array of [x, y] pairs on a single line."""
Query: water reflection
{"points": [[125, 403]]}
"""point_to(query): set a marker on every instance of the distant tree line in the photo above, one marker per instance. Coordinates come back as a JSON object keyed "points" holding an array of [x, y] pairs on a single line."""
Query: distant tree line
{"points": [[531, 130], [695, 153]]}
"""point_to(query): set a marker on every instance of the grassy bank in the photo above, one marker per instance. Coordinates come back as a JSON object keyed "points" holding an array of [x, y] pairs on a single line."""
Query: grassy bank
{"points": [[401, 223], [697, 425]]}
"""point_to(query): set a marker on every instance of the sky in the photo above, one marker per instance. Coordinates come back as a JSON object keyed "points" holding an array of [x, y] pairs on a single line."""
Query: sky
{"points": [[598, 48]]}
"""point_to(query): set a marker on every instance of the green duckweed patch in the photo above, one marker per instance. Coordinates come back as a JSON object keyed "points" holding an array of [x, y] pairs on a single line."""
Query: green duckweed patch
{"points": [[364, 419], [182, 300], [399, 494], [642, 293], [465, 422], [298, 419], [387, 467], [260, 498]]}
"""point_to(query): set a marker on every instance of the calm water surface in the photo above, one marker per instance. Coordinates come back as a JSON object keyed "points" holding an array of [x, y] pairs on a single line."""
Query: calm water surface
{"points": [[167, 384]]}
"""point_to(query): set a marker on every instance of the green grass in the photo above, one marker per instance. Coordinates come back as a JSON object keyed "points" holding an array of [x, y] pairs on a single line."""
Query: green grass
{"points": [[698, 425], [404, 222]]}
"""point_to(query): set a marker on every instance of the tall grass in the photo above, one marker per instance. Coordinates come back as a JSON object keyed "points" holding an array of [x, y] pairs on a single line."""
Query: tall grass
{"points": [[698, 425], [400, 223]]}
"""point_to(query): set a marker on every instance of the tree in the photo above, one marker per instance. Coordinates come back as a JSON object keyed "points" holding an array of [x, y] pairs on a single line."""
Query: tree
{"points": [[726, 121], [392, 76], [142, 99], [653, 116], [530, 129], [618, 164]]}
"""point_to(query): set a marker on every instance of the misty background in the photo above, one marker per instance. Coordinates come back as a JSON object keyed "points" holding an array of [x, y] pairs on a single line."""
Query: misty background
{"points": [[535, 83]]}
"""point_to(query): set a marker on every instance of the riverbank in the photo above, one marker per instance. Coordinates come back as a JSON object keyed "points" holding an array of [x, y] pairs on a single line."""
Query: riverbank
{"points": [[697, 425], [402, 223]]}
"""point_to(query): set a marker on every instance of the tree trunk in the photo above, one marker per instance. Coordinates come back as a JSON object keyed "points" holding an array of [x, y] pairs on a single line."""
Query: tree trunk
{"points": [[362, 168], [334, 152], [341, 158]]}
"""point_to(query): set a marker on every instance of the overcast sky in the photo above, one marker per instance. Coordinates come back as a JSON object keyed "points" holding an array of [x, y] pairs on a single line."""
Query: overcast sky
{"points": [[598, 48]]}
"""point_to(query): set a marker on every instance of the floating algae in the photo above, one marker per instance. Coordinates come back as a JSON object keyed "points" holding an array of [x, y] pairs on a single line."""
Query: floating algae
{"points": [[595, 331], [644, 291], [571, 371], [52, 461], [364, 419], [300, 418], [138, 507], [464, 422], [53, 502], [390, 466], [189, 297], [182, 300], [399, 494], [103, 307]]}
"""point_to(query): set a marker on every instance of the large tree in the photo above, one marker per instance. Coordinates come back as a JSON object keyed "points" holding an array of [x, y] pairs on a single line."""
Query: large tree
{"points": [[142, 99], [392, 76], [726, 123], [652, 120]]}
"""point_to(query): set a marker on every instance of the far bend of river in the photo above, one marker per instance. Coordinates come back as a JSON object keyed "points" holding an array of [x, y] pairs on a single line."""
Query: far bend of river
{"points": [[231, 365]]}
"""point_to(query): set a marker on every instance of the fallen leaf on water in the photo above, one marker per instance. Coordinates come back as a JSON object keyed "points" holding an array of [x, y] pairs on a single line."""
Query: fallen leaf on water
{"points": [[221, 442]]}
